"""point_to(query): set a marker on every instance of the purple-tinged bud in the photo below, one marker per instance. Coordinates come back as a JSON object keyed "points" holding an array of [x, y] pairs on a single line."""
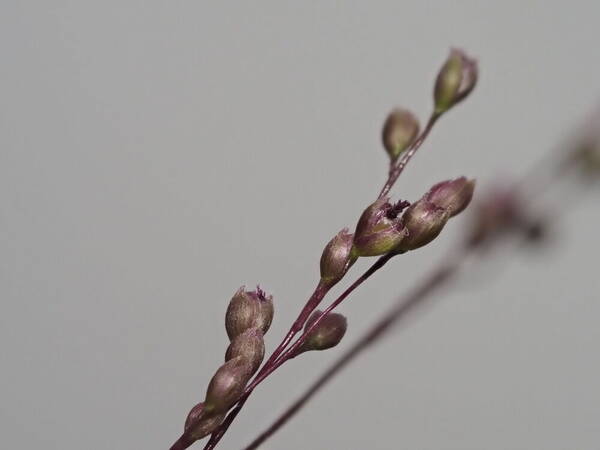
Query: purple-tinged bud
{"points": [[452, 195], [499, 210], [400, 130], [328, 333], [203, 422], [379, 229], [337, 257], [456, 80], [227, 384], [248, 309], [424, 221], [249, 345]]}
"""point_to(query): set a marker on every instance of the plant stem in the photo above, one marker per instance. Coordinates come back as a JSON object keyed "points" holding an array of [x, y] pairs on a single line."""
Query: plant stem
{"points": [[402, 308], [312, 303], [291, 351], [398, 168], [218, 434]]}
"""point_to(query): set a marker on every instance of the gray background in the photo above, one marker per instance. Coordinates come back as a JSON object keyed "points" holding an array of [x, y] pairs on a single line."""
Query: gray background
{"points": [[154, 156]]}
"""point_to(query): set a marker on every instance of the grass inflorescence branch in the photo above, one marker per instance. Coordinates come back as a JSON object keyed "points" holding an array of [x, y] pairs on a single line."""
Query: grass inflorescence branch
{"points": [[385, 229], [503, 213]]}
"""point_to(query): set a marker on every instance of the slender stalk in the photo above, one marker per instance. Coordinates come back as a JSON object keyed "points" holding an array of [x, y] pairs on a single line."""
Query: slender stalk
{"points": [[218, 434], [320, 291], [291, 351], [403, 307], [398, 168]]}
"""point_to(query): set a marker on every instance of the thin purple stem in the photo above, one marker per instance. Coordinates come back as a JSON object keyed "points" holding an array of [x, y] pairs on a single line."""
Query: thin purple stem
{"points": [[312, 303], [218, 434], [404, 306], [291, 351], [398, 168]]}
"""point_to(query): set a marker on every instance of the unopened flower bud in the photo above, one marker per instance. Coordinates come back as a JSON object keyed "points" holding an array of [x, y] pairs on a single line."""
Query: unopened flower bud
{"points": [[400, 130], [203, 422], [227, 384], [455, 81], [379, 229], [248, 309], [328, 333], [424, 222], [249, 345], [499, 210], [452, 195], [337, 257]]}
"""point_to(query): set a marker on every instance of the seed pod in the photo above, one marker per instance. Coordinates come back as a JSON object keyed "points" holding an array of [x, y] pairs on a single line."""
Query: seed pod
{"points": [[227, 384], [379, 229], [423, 221], [456, 79], [337, 257], [400, 130], [248, 309], [328, 333], [452, 195], [204, 422], [250, 346]]}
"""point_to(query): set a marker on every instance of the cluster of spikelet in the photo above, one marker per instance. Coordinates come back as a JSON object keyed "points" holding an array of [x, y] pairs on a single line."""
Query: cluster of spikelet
{"points": [[248, 318], [383, 229]]}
